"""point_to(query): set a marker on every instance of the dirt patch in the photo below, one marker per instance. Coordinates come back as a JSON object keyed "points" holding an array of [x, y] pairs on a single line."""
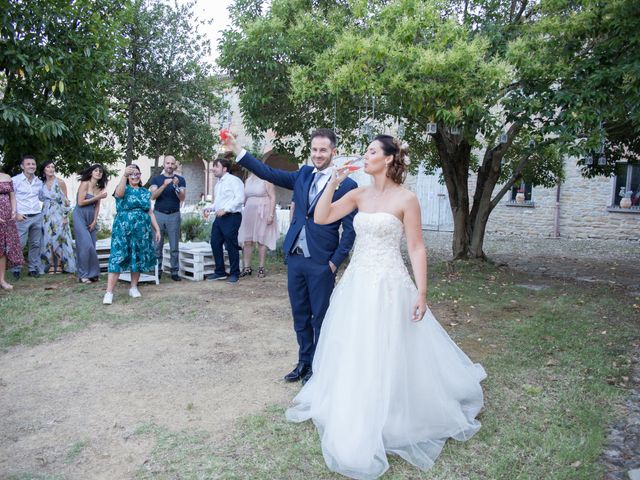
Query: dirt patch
{"points": [[71, 407]]}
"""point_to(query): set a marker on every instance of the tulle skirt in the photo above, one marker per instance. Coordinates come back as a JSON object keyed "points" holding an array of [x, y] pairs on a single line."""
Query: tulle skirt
{"points": [[384, 384]]}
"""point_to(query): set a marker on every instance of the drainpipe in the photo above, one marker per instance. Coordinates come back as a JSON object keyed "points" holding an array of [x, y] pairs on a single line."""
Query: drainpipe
{"points": [[556, 219]]}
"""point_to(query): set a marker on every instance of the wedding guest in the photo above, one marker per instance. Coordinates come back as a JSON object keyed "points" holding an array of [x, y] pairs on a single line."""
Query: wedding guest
{"points": [[168, 190], [56, 249], [92, 190], [26, 186], [258, 222], [10, 249], [387, 377], [227, 208], [132, 237]]}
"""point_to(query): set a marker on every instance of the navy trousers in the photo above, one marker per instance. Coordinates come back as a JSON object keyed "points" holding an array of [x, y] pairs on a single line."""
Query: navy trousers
{"points": [[224, 231], [310, 286]]}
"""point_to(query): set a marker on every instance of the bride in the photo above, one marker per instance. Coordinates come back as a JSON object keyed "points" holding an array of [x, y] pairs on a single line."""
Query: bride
{"points": [[386, 376]]}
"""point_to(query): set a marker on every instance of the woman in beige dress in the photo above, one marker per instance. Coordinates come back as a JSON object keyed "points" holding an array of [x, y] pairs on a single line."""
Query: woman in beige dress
{"points": [[258, 222]]}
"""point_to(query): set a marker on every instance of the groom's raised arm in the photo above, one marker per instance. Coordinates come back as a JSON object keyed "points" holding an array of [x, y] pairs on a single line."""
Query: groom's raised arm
{"points": [[278, 177]]}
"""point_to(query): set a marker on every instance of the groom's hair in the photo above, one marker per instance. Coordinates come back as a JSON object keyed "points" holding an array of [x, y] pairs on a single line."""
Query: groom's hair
{"points": [[325, 133]]}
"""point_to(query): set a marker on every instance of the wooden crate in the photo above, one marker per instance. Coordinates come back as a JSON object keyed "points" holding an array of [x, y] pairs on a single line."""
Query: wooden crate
{"points": [[196, 260], [103, 249]]}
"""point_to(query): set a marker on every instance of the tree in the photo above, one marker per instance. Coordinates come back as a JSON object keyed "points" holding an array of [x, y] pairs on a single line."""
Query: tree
{"points": [[166, 88], [56, 60], [460, 78]]}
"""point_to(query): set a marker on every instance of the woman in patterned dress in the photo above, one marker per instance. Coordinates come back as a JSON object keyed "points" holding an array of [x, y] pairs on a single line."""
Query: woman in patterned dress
{"points": [[258, 222], [132, 238], [10, 249], [56, 248]]}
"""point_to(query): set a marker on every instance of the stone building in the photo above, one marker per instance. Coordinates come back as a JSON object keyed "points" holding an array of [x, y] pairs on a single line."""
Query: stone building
{"points": [[578, 208]]}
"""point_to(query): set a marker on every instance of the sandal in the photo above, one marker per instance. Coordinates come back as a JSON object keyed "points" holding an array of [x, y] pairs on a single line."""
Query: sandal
{"points": [[246, 271], [261, 273], [6, 286]]}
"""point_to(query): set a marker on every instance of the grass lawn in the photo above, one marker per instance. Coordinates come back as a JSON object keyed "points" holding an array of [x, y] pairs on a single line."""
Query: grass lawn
{"points": [[556, 358]]}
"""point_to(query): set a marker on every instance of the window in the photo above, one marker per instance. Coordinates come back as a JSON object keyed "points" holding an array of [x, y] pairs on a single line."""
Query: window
{"points": [[627, 184], [521, 187], [521, 195]]}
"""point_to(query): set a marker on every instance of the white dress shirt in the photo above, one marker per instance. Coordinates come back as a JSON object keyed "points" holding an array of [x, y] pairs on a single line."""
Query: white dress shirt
{"points": [[27, 201], [325, 176], [229, 194]]}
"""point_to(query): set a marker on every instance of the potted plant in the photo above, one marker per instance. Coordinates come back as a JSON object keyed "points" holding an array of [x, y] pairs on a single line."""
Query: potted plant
{"points": [[625, 201]]}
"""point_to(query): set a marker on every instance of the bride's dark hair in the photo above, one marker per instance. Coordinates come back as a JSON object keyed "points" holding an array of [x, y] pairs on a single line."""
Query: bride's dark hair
{"points": [[397, 169]]}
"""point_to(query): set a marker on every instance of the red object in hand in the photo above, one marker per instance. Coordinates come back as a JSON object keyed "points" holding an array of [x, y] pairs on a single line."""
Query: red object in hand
{"points": [[224, 134], [353, 168]]}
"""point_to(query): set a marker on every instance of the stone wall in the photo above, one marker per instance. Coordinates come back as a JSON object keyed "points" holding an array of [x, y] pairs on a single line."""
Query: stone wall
{"points": [[583, 211], [194, 175]]}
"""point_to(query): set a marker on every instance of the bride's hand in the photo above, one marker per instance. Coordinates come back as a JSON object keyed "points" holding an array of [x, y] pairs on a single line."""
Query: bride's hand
{"points": [[419, 308], [340, 173]]}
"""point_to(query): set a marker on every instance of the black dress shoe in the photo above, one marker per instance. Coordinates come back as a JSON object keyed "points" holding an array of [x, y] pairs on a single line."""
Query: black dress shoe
{"points": [[297, 373], [175, 277], [16, 275], [34, 274], [307, 376]]}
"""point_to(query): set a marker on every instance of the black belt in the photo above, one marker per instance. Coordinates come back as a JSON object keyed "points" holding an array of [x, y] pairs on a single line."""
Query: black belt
{"points": [[297, 251], [167, 213], [30, 214]]}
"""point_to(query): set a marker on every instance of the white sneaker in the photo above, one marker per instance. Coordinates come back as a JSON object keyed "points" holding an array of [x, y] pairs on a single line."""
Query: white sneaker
{"points": [[134, 293], [108, 298]]}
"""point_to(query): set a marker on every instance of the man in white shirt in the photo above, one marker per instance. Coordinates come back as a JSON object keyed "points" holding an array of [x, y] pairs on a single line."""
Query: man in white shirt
{"points": [[26, 186], [227, 209]]}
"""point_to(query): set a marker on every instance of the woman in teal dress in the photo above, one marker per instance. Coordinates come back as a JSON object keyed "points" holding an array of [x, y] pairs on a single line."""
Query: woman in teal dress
{"points": [[132, 237]]}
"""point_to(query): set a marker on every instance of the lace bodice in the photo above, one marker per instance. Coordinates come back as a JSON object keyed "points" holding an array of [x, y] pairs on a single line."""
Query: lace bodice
{"points": [[377, 246]]}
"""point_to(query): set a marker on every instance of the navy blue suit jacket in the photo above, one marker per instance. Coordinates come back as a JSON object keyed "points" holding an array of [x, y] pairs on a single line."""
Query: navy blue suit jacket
{"points": [[324, 241]]}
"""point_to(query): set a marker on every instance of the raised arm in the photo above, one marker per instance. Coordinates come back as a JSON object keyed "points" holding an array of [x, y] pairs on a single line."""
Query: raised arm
{"points": [[417, 254], [122, 185], [327, 212], [278, 177]]}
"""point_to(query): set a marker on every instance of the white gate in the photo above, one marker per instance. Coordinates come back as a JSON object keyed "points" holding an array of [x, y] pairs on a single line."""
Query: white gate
{"points": [[434, 202]]}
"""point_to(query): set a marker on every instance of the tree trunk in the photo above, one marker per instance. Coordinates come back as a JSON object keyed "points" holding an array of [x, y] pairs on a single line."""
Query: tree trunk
{"points": [[469, 225], [455, 153], [133, 94]]}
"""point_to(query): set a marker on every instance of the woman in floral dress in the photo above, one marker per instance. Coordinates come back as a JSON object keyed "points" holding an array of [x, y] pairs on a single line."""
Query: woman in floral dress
{"points": [[132, 238], [10, 249], [56, 249]]}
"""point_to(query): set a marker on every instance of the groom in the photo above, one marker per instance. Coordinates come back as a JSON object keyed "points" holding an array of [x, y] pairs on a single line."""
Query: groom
{"points": [[314, 251]]}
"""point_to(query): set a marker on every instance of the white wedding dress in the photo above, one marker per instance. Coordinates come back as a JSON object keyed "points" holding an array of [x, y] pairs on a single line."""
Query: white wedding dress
{"points": [[381, 382]]}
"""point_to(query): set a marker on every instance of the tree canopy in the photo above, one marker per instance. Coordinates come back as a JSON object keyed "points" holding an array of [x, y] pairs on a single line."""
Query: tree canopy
{"points": [[166, 87], [56, 61], [472, 86], [102, 80]]}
